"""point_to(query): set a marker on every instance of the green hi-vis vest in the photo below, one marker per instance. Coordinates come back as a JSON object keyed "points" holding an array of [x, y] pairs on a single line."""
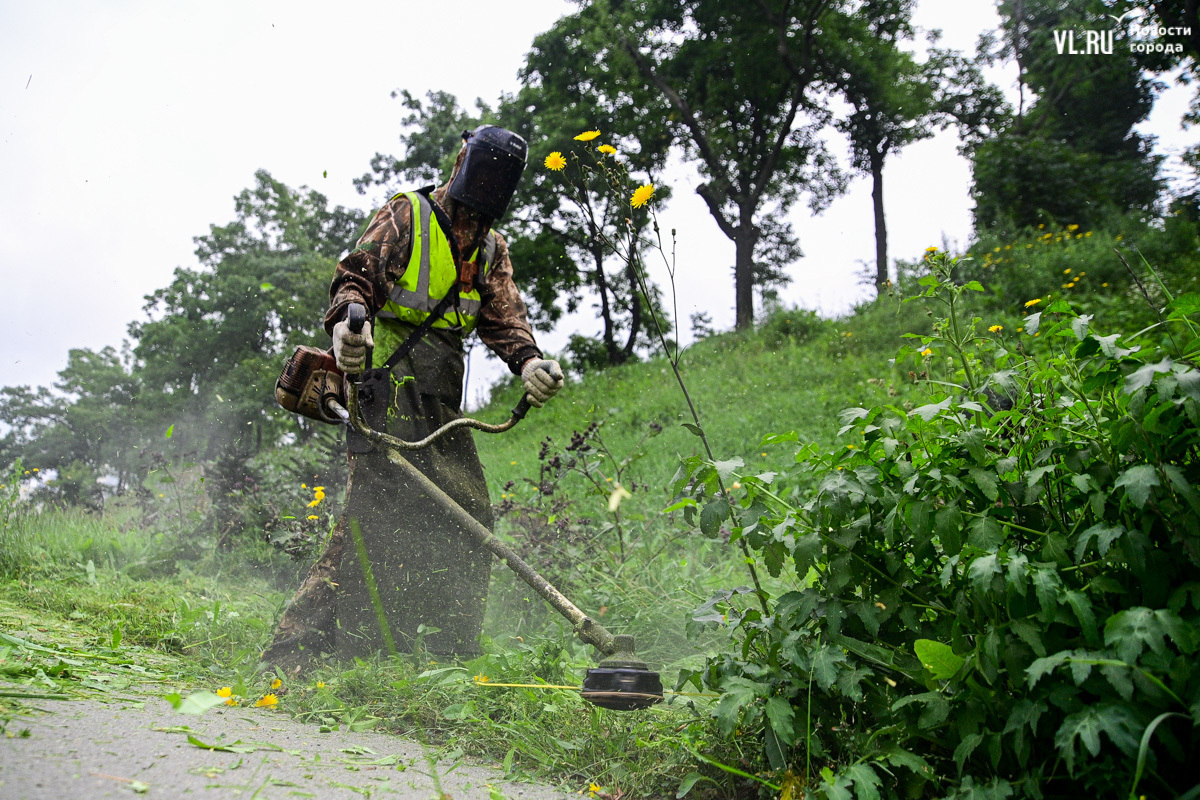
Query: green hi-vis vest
{"points": [[418, 292]]}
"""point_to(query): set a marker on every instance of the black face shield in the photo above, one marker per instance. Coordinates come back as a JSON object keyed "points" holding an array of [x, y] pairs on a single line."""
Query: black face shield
{"points": [[490, 170]]}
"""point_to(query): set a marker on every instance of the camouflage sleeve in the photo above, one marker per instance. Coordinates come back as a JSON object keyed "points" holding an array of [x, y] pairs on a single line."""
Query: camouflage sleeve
{"points": [[377, 261], [503, 325]]}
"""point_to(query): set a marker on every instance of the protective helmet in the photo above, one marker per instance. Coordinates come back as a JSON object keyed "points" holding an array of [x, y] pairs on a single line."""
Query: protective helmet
{"points": [[490, 170]]}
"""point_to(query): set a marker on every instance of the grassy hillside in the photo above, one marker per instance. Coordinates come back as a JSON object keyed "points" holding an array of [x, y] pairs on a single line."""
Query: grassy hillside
{"points": [[581, 487]]}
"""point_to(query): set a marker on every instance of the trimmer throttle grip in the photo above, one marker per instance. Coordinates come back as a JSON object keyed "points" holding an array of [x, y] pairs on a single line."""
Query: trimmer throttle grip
{"points": [[356, 316], [522, 408]]}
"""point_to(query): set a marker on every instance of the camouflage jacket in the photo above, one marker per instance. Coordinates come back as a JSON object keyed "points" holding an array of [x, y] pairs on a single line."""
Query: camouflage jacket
{"points": [[369, 272]]}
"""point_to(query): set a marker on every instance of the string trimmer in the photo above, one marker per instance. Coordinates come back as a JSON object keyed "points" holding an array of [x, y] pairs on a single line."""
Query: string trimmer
{"points": [[621, 681]]}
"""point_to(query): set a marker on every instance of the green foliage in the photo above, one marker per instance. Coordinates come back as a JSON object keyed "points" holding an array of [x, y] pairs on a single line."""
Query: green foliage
{"points": [[1072, 156], [995, 588]]}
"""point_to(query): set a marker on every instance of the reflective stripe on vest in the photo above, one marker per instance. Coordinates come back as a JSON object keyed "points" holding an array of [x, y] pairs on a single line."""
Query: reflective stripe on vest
{"points": [[419, 290]]}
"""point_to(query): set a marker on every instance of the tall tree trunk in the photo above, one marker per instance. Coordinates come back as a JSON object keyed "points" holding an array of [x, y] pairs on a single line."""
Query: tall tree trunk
{"points": [[881, 255], [743, 274]]}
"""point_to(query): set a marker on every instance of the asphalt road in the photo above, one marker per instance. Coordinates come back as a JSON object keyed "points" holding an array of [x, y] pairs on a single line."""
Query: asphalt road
{"points": [[84, 749]]}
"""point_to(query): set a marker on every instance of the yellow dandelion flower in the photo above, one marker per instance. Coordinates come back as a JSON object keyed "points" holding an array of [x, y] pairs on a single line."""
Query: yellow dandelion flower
{"points": [[512, 463], [35, 469], [313, 516], [231, 701], [1028, 247], [304, 486], [1033, 302], [481, 678], [1008, 247], [266, 701], [594, 789], [1120, 236], [997, 250], [607, 149], [275, 684], [1067, 271], [764, 455], [1087, 235], [1105, 285], [930, 249], [555, 161], [320, 684], [995, 329], [927, 352], [642, 195], [27, 472], [225, 691], [1072, 228], [319, 493], [314, 504], [1079, 236], [160, 494], [587, 136], [1042, 225]]}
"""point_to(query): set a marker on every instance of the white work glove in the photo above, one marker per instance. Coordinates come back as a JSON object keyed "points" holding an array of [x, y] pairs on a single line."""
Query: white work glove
{"points": [[542, 378], [350, 349]]}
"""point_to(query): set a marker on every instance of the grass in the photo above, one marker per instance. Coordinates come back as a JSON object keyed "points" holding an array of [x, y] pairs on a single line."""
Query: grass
{"points": [[640, 571]]}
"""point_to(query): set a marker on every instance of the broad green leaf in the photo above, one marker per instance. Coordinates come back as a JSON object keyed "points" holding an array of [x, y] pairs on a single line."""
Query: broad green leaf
{"points": [[930, 410], [938, 658], [1131, 631], [825, 665], [1082, 606], [196, 703], [1044, 666], [1114, 721], [981, 571], [712, 515], [1079, 326], [780, 715], [738, 694], [1137, 482], [1033, 322], [986, 533], [937, 708], [690, 780], [1104, 535], [1186, 304], [695, 429], [866, 781], [965, 748], [986, 481], [1144, 376], [171, 431], [726, 468]]}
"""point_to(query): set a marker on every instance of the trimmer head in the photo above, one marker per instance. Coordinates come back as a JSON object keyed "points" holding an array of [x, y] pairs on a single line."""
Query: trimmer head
{"points": [[622, 682]]}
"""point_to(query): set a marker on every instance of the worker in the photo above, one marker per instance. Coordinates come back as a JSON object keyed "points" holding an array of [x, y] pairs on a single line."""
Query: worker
{"points": [[429, 270]]}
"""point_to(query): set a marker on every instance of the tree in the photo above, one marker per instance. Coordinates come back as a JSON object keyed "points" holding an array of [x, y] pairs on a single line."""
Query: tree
{"points": [[1073, 155], [737, 86], [558, 262], [566, 91], [216, 336]]}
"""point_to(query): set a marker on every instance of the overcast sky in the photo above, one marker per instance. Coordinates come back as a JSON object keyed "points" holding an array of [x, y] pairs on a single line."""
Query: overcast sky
{"points": [[127, 127]]}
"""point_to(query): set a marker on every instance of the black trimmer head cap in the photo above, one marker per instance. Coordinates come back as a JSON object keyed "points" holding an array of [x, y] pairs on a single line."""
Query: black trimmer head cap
{"points": [[622, 682]]}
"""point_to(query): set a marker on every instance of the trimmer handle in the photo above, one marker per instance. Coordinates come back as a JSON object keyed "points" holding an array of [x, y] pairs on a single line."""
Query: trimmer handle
{"points": [[356, 316], [522, 408]]}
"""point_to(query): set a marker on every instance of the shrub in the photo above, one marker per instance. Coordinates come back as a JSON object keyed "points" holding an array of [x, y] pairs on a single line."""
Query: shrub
{"points": [[997, 591]]}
